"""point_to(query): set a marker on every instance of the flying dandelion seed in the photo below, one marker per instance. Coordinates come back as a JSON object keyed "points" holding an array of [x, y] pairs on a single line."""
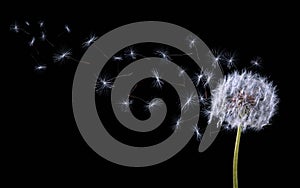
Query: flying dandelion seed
{"points": [[181, 72], [189, 101], [198, 78], [43, 36], [163, 54], [153, 104], [103, 85], [208, 76], [125, 105], [197, 132], [89, 41], [202, 100], [15, 28], [41, 24], [158, 82], [192, 42], [40, 67], [256, 62], [32, 41], [230, 59], [215, 57], [117, 58], [178, 124], [61, 56], [131, 54], [67, 28]]}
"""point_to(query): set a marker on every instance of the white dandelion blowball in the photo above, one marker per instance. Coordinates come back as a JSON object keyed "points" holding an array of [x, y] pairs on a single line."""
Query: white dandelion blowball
{"points": [[247, 100]]}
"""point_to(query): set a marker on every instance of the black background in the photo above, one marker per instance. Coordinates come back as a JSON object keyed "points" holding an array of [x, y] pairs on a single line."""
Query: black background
{"points": [[41, 139]]}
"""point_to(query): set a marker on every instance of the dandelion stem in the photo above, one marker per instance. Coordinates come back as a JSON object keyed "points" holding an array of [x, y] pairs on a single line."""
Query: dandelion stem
{"points": [[235, 157]]}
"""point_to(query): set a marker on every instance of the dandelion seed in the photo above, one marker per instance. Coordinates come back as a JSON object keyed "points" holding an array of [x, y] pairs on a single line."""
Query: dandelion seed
{"points": [[40, 67], [90, 40], [131, 54], [103, 85], [117, 58], [43, 36], [67, 28], [256, 62], [164, 55], [158, 82], [32, 41], [181, 72], [15, 28], [189, 101], [209, 76], [197, 132], [125, 105], [216, 57], [41, 24], [198, 78], [61, 56], [154, 103], [192, 42], [178, 124]]}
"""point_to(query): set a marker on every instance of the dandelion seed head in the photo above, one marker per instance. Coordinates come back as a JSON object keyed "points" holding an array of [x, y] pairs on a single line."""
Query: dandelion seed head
{"points": [[247, 100]]}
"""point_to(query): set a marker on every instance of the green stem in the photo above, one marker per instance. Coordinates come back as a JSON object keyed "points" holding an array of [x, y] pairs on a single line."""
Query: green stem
{"points": [[235, 157]]}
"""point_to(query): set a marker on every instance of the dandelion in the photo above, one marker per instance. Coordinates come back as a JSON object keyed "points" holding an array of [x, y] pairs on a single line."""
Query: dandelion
{"points": [[243, 101]]}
